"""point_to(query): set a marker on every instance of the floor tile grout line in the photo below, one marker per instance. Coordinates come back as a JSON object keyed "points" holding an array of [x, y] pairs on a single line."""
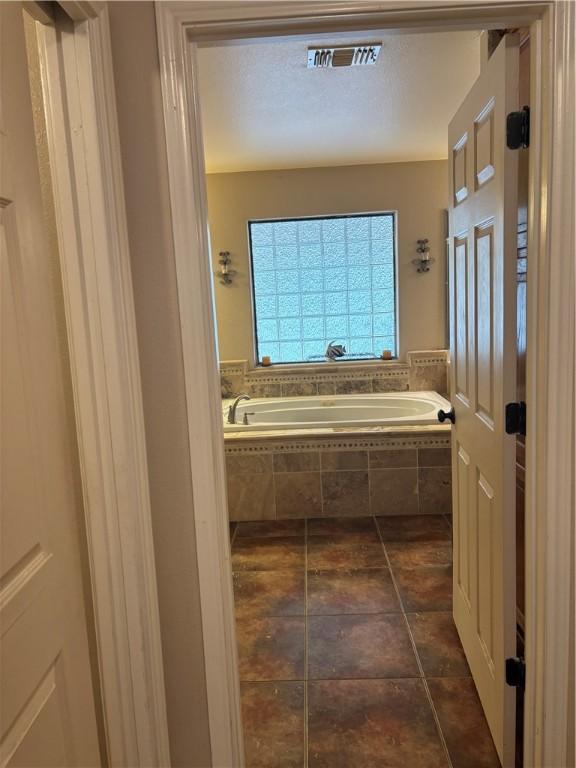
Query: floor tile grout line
{"points": [[306, 642], [417, 655], [356, 678]]}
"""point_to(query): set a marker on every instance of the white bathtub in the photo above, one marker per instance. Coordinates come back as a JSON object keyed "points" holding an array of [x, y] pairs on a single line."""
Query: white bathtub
{"points": [[321, 412]]}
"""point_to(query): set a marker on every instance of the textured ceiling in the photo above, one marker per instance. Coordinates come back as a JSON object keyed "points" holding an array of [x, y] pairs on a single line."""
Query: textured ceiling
{"points": [[262, 108]]}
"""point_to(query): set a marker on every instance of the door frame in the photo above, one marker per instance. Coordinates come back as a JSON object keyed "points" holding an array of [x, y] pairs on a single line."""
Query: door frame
{"points": [[86, 173], [182, 25]]}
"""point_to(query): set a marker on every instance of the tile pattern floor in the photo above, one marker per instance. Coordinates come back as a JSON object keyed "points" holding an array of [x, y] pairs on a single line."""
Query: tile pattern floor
{"points": [[349, 657]]}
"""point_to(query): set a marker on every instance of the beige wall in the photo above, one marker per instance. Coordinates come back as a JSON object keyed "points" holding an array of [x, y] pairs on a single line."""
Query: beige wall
{"points": [[137, 80], [418, 191]]}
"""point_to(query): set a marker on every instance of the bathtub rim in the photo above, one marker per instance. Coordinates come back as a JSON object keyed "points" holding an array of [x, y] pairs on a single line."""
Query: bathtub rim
{"points": [[363, 428]]}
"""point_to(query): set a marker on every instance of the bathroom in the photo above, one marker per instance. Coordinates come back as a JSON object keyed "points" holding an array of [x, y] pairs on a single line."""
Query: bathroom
{"points": [[327, 197], [289, 384]]}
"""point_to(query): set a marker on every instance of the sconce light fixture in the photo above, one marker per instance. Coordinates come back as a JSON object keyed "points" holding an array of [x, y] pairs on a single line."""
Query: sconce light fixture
{"points": [[225, 274], [423, 262]]}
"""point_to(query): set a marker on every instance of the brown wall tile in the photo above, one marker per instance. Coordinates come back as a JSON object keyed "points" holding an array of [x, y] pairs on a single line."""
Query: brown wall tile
{"points": [[231, 385], [435, 489], [326, 388], [345, 493], [257, 389], [389, 385], [307, 461], [243, 464], [424, 378], [435, 457], [299, 389], [332, 460], [298, 494], [404, 457], [359, 386], [394, 491], [251, 497]]}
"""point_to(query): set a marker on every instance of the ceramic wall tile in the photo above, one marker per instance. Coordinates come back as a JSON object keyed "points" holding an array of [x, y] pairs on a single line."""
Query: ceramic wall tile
{"points": [[389, 385], [251, 497], [334, 478], [306, 461], [435, 457], [334, 460], [353, 387], [345, 493], [394, 491], [426, 378], [326, 388], [258, 389], [246, 464], [299, 389], [388, 459], [435, 489], [421, 371], [298, 494]]}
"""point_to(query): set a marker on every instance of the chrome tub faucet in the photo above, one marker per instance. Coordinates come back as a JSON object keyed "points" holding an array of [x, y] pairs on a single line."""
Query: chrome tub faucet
{"points": [[232, 409]]}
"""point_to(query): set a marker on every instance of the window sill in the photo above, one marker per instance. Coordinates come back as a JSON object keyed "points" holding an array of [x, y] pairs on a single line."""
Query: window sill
{"points": [[326, 367]]}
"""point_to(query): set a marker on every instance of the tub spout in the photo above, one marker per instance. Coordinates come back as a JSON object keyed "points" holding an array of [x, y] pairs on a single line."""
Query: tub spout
{"points": [[232, 409]]}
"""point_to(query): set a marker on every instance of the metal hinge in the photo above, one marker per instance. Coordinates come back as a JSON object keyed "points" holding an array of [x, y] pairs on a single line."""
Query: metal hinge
{"points": [[515, 418], [516, 673], [518, 129]]}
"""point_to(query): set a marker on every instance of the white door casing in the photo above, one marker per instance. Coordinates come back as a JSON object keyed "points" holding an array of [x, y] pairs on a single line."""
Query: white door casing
{"points": [[483, 210], [48, 714], [83, 144]]}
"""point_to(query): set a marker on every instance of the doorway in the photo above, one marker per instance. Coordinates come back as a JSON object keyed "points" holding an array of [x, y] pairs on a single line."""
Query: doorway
{"points": [[325, 198], [244, 25]]}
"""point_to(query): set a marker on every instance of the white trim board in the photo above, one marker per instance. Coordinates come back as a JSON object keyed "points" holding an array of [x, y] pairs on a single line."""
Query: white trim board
{"points": [[550, 459], [202, 382], [100, 322], [182, 26]]}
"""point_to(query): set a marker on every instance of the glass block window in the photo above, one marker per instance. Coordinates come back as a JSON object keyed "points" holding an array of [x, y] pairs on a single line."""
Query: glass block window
{"points": [[322, 280]]}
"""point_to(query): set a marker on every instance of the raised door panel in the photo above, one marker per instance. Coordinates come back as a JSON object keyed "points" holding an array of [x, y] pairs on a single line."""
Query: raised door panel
{"points": [[484, 145], [484, 321], [460, 318], [484, 608], [460, 169], [462, 533]]}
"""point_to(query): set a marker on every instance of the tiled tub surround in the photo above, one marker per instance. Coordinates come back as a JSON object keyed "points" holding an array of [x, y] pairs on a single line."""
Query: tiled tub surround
{"points": [[349, 475], [422, 371], [348, 654]]}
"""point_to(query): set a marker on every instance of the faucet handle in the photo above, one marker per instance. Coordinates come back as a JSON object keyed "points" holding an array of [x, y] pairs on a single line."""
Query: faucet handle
{"points": [[245, 417]]}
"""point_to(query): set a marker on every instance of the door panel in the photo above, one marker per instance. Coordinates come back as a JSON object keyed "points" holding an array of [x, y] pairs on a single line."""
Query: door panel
{"points": [[47, 698], [482, 270], [484, 299], [460, 318]]}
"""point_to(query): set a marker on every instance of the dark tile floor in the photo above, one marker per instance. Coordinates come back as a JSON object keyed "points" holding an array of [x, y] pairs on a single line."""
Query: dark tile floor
{"points": [[349, 657]]}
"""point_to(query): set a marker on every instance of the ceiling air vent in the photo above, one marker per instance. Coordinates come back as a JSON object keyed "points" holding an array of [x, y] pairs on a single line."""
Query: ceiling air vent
{"points": [[344, 56]]}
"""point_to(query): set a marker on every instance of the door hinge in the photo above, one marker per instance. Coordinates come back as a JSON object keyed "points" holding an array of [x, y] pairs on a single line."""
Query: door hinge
{"points": [[518, 129], [516, 673], [516, 418]]}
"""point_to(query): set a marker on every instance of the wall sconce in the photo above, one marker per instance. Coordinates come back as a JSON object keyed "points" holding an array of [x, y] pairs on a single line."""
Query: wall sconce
{"points": [[423, 262], [225, 274]]}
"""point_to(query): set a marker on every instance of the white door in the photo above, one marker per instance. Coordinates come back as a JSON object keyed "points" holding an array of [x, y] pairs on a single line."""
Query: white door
{"points": [[483, 212], [47, 715]]}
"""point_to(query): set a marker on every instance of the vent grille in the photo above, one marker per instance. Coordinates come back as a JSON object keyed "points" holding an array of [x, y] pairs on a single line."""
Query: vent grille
{"points": [[344, 56]]}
